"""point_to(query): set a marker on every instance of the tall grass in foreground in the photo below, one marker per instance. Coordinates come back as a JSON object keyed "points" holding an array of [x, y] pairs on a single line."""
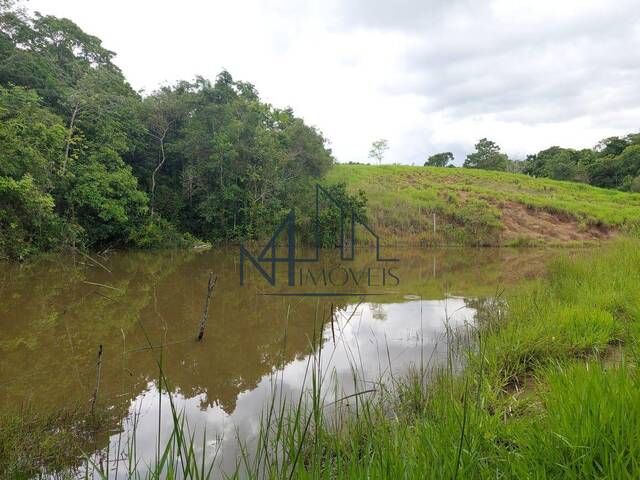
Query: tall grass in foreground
{"points": [[550, 389]]}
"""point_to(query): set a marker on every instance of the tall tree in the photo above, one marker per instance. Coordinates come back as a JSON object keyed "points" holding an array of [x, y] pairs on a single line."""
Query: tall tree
{"points": [[439, 160], [234, 165], [164, 112], [378, 149], [487, 157]]}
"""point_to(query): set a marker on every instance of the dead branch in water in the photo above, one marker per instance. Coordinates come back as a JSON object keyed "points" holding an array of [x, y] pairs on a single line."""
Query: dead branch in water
{"points": [[103, 285], [95, 391], [108, 297], [205, 314], [92, 259]]}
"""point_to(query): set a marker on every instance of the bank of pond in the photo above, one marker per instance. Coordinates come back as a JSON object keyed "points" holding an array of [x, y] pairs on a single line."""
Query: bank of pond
{"points": [[475, 363]]}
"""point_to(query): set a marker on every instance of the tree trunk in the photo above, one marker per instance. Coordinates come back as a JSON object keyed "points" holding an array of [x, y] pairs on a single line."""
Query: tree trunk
{"points": [[72, 122], [153, 175], [205, 315]]}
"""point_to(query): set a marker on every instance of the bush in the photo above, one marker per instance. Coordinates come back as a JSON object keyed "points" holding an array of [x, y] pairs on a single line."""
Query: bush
{"points": [[28, 223], [329, 215], [105, 199], [159, 233]]}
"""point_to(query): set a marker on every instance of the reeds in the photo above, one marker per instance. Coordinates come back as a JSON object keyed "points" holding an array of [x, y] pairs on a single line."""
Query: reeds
{"points": [[532, 390]]}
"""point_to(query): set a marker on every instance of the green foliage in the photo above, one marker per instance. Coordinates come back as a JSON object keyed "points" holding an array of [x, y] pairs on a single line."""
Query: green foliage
{"points": [[32, 442], [487, 157], [469, 203], [27, 221], [104, 200], [233, 167], [633, 184], [558, 163], [378, 149], [68, 124], [212, 159], [209, 159], [160, 233], [613, 146], [614, 163], [31, 137], [439, 160], [328, 222], [47, 54]]}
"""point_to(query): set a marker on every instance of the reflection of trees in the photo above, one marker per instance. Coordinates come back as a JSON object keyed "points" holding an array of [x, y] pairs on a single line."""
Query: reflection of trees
{"points": [[377, 310], [51, 322], [488, 310]]}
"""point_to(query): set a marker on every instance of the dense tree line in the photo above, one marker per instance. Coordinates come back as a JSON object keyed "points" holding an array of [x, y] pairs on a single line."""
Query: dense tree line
{"points": [[87, 161], [613, 163]]}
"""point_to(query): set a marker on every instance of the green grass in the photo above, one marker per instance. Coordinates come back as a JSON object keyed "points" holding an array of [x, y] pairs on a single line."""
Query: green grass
{"points": [[550, 390], [470, 204], [33, 442]]}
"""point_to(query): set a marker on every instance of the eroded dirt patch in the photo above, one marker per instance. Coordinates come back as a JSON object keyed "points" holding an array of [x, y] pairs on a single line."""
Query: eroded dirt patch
{"points": [[522, 223]]}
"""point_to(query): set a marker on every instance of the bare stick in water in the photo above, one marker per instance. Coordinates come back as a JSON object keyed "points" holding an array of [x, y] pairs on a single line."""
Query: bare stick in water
{"points": [[205, 315], [333, 332], [92, 259], [103, 285], [95, 391]]}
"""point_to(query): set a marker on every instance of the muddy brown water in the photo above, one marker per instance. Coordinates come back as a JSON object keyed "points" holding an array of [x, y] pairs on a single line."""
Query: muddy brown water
{"points": [[56, 311]]}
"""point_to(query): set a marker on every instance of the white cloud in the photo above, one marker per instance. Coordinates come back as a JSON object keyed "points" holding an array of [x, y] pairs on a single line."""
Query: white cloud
{"points": [[428, 76]]}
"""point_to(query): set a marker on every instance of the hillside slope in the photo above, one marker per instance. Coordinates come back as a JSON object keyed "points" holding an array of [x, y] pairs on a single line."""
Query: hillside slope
{"points": [[477, 207]]}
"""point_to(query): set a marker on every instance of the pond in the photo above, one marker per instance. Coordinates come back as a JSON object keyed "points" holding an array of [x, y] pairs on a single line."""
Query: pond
{"points": [[141, 307]]}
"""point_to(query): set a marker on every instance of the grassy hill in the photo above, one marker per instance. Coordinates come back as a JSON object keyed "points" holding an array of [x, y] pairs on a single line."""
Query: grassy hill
{"points": [[477, 207]]}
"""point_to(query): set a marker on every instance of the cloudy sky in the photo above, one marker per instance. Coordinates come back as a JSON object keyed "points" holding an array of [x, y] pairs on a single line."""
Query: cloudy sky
{"points": [[428, 75]]}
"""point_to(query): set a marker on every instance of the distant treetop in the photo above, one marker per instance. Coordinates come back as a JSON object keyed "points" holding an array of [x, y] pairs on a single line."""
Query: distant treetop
{"points": [[439, 160]]}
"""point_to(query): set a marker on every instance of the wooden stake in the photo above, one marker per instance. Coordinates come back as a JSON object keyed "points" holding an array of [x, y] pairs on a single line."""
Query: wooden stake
{"points": [[205, 314], [333, 332], [95, 391]]}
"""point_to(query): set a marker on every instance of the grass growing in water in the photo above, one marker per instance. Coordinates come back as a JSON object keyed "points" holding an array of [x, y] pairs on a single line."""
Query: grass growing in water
{"points": [[550, 390], [32, 442]]}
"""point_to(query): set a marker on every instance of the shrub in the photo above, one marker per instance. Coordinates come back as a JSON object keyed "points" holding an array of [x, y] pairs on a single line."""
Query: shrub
{"points": [[159, 233], [28, 223]]}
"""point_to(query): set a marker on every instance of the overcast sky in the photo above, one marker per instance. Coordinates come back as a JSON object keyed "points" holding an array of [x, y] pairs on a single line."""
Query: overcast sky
{"points": [[428, 75]]}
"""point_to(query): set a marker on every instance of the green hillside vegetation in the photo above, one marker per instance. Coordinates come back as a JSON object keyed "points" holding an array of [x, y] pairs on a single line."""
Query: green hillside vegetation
{"points": [[479, 207], [87, 162]]}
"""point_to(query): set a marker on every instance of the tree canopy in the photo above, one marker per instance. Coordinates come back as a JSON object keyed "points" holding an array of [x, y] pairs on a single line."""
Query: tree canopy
{"points": [[613, 163], [439, 160], [378, 149], [101, 166], [487, 156]]}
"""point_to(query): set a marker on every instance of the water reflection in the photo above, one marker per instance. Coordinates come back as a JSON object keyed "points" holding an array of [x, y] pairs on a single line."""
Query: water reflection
{"points": [[358, 353], [56, 312]]}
